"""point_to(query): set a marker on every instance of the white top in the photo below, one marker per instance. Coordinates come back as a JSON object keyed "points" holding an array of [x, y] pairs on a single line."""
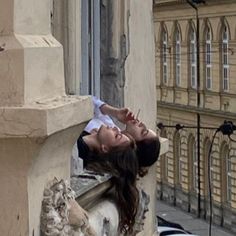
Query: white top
{"points": [[98, 118]]}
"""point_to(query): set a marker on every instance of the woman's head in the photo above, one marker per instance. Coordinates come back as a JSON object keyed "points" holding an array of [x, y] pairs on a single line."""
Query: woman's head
{"points": [[123, 166], [138, 130], [148, 151], [110, 139], [147, 142]]}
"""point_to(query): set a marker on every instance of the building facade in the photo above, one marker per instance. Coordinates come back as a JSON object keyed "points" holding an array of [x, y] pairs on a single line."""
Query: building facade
{"points": [[181, 98], [51, 53]]}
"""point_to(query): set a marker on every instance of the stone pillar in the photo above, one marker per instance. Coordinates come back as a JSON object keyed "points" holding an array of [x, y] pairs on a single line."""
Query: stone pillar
{"points": [[38, 122]]}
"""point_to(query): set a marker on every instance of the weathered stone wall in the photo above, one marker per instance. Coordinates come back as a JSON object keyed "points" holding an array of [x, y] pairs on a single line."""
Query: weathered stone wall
{"points": [[114, 50], [140, 85], [128, 69], [39, 123]]}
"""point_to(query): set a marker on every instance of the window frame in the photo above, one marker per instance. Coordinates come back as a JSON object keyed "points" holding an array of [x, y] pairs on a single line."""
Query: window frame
{"points": [[195, 166], [178, 159], [177, 58], [164, 56], [193, 58], [208, 59], [229, 177], [225, 58], [90, 48]]}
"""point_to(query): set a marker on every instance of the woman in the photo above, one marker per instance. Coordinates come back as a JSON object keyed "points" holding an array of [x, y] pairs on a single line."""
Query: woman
{"points": [[101, 135], [123, 166], [147, 141], [104, 148]]}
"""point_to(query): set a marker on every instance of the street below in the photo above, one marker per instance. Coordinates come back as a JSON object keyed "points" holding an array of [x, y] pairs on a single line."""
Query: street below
{"points": [[188, 221]]}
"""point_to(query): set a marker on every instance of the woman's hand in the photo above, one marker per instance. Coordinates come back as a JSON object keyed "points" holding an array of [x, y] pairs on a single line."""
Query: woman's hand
{"points": [[124, 114], [121, 114]]}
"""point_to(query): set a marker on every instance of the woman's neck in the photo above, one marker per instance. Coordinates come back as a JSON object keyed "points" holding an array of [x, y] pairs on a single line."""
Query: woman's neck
{"points": [[92, 141]]}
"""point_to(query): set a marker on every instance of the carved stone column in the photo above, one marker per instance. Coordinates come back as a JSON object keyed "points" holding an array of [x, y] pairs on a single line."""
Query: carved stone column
{"points": [[38, 122]]}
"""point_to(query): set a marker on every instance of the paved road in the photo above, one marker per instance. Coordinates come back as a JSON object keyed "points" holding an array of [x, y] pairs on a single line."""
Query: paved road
{"points": [[188, 221]]}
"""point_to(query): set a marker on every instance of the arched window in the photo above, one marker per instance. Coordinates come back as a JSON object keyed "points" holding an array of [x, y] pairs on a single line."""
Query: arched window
{"points": [[207, 161], [208, 58], [164, 56], [177, 57], [225, 58], [227, 178], [193, 57], [164, 159], [178, 159], [193, 164]]}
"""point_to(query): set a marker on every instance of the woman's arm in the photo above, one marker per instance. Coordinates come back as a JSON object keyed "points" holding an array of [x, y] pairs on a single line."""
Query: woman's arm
{"points": [[121, 114]]}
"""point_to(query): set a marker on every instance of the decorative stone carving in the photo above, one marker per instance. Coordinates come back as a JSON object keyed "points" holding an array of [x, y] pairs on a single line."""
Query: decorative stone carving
{"points": [[144, 200], [61, 215]]}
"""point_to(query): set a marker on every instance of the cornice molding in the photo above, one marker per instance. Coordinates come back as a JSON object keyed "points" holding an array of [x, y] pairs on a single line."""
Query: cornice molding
{"points": [[192, 109]]}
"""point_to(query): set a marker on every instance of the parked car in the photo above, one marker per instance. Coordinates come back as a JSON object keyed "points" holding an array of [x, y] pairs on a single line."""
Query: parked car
{"points": [[162, 222], [166, 228], [168, 231]]}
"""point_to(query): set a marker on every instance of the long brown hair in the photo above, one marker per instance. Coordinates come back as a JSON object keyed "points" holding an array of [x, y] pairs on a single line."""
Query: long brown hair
{"points": [[123, 166]]}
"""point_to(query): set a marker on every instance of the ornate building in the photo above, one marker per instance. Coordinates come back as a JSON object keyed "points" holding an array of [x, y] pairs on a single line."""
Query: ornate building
{"points": [[180, 99], [51, 53]]}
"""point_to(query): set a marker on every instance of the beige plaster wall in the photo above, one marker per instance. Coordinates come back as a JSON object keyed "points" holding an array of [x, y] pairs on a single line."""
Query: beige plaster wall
{"points": [[24, 17], [6, 17], [11, 72], [31, 17], [43, 169], [29, 160], [140, 86], [39, 123], [13, 182], [22, 156]]}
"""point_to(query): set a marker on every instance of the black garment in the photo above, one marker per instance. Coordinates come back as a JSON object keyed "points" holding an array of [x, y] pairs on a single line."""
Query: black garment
{"points": [[83, 149]]}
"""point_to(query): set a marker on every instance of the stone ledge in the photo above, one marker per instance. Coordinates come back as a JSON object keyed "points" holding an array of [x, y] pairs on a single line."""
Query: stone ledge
{"points": [[44, 117], [37, 41], [89, 187]]}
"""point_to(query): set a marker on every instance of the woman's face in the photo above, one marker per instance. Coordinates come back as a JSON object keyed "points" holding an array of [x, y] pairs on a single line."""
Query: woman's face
{"points": [[111, 137], [138, 130]]}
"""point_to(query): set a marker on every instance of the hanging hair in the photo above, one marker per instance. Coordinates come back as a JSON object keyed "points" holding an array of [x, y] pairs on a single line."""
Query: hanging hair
{"points": [[123, 166], [148, 151], [85, 153]]}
